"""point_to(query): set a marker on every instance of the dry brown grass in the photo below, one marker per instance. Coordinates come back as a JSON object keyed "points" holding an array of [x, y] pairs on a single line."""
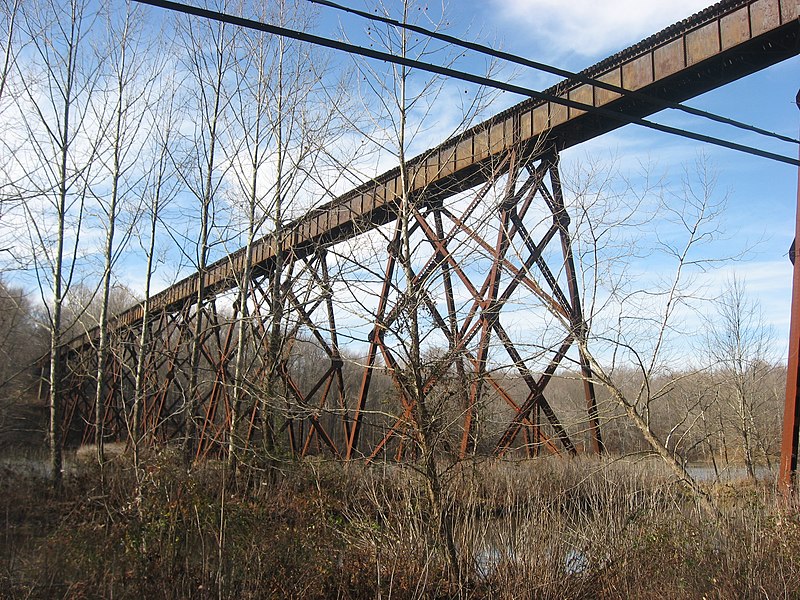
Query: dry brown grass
{"points": [[534, 529]]}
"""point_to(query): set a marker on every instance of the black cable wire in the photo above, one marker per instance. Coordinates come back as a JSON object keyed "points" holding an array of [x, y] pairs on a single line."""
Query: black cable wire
{"points": [[539, 66], [461, 75]]}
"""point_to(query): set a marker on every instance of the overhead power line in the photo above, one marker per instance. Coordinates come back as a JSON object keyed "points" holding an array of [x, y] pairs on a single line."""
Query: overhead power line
{"points": [[540, 66], [461, 75]]}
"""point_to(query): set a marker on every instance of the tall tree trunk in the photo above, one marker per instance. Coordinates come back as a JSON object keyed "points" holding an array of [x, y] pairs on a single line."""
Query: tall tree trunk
{"points": [[412, 301], [206, 200]]}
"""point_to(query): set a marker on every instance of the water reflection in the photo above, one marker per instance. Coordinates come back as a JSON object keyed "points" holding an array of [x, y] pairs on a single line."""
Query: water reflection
{"points": [[729, 473], [489, 559]]}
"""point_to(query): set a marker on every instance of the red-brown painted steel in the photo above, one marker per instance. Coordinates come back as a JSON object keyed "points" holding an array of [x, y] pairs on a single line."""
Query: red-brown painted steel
{"points": [[576, 314], [791, 410]]}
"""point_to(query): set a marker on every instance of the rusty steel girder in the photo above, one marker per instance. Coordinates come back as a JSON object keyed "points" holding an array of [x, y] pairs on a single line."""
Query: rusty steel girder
{"points": [[791, 410]]}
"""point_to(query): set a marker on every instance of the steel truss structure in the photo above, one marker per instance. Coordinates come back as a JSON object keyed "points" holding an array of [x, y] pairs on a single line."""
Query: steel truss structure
{"points": [[334, 295], [475, 253]]}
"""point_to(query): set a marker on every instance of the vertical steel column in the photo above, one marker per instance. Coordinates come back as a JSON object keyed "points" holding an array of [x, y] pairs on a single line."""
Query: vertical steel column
{"points": [[562, 219], [791, 418], [374, 341], [490, 307]]}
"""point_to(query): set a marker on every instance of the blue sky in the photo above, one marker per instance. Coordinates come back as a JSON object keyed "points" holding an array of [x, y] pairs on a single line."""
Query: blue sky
{"points": [[758, 222]]}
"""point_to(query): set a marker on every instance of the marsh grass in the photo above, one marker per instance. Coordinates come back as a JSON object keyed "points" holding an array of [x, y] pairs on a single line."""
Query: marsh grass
{"points": [[582, 528]]}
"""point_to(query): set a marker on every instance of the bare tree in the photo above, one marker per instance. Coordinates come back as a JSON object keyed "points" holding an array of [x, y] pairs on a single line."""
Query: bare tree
{"points": [[160, 188], [740, 348], [400, 101], [208, 54], [20, 344], [287, 130], [12, 42], [61, 143], [82, 308], [10, 14], [638, 317], [127, 94]]}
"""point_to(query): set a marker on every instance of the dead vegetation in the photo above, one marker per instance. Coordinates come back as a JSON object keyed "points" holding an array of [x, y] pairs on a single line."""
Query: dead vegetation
{"points": [[546, 528]]}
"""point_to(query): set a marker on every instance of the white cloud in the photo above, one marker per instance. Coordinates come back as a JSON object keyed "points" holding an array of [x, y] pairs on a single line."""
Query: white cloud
{"points": [[588, 27]]}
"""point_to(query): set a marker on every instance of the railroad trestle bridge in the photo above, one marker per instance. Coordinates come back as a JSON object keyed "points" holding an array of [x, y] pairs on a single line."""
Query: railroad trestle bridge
{"points": [[490, 231]]}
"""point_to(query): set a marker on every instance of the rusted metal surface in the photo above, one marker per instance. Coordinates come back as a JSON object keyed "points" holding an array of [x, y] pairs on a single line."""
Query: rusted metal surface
{"points": [[321, 412]]}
